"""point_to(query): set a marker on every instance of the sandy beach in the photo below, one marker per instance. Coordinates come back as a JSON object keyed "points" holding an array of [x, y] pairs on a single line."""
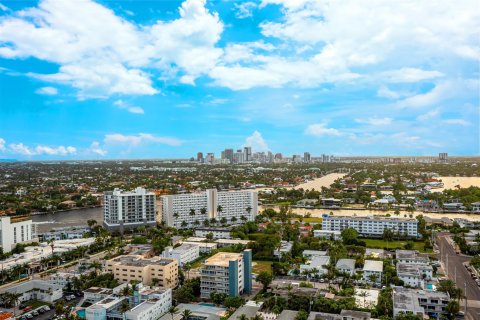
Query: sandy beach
{"points": [[318, 183], [463, 182]]}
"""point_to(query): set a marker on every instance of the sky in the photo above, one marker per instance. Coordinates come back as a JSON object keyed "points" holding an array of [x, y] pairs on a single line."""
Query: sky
{"points": [[125, 79]]}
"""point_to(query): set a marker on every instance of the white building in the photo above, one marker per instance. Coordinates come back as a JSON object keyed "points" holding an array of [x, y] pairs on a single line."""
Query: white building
{"points": [[154, 303], [476, 207], [318, 263], [285, 247], [227, 272], [36, 290], [64, 233], [203, 247], [328, 234], [310, 254], [218, 233], [410, 257], [414, 275], [193, 209], [373, 267], [371, 226], [16, 231], [346, 265], [129, 209], [184, 253], [419, 302]]}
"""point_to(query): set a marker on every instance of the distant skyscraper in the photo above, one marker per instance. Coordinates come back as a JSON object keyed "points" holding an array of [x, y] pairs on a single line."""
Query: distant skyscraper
{"points": [[443, 156], [248, 154], [200, 157], [270, 157], [210, 158], [228, 153], [238, 157], [306, 157], [278, 156]]}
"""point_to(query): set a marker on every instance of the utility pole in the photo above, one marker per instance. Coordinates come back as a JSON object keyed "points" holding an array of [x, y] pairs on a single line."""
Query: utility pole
{"points": [[446, 266], [465, 291]]}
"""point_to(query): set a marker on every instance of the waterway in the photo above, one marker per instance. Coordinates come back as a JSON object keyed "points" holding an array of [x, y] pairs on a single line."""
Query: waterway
{"points": [[73, 218]]}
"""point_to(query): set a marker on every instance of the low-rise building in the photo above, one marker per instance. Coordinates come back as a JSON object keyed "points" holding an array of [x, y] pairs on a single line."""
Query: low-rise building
{"points": [[476, 207], [414, 275], [218, 233], [374, 253], [373, 271], [36, 290], [14, 231], [310, 254], [154, 303], [344, 315], [346, 265], [410, 257], [331, 202], [371, 226], [231, 242], [64, 233], [184, 253], [162, 272], [226, 272], [204, 247], [317, 264], [328, 234], [419, 302]]}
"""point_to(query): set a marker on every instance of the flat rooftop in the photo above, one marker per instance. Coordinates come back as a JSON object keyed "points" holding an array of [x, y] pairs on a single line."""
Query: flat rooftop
{"points": [[373, 265], [139, 261], [222, 258]]}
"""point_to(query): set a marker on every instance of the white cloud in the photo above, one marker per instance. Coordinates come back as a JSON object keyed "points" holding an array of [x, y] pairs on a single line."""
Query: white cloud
{"points": [[440, 92], [2, 144], [132, 109], [138, 139], [458, 122], [21, 149], [3, 7], [49, 91], [244, 9], [375, 121], [429, 115], [410, 75], [96, 149], [385, 92], [405, 139], [257, 142], [320, 129], [99, 64]]}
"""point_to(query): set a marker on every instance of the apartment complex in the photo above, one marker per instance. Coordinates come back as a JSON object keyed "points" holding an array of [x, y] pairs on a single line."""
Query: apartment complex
{"points": [[373, 271], [128, 209], [16, 231], [226, 272], [184, 253], [193, 209], [371, 226], [162, 272], [419, 302]]}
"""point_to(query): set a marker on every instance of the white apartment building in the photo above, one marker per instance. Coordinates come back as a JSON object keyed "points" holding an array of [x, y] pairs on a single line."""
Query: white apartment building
{"points": [[371, 226], [419, 302], [410, 257], [414, 275], [184, 253], [154, 303], [36, 290], [128, 209], [193, 209], [346, 265], [328, 234], [373, 267], [218, 233], [17, 231], [226, 272]]}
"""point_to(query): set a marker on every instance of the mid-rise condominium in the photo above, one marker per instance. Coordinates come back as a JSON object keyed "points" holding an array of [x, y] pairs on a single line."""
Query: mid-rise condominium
{"points": [[12, 232], [371, 226], [161, 272], [130, 209], [194, 209], [226, 272]]}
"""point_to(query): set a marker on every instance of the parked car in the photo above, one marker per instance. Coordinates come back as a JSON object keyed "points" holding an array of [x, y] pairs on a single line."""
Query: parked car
{"points": [[35, 313], [29, 316], [27, 308], [47, 308]]}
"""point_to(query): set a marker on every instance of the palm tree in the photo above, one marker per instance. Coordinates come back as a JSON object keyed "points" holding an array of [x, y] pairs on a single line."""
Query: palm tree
{"points": [[196, 222], [14, 298], [219, 209], [173, 311], [124, 307], [213, 221], [186, 314], [51, 243], [256, 317], [203, 210], [243, 218], [364, 294], [192, 212], [233, 219], [91, 223], [95, 265], [243, 317]]}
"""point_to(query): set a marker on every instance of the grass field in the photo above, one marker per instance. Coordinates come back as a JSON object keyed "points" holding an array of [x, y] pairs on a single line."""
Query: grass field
{"points": [[379, 243], [259, 266]]}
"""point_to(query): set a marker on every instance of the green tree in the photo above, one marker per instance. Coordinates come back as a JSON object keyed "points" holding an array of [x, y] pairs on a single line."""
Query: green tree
{"points": [[186, 314], [349, 236], [452, 308], [173, 311], [265, 278], [301, 315]]}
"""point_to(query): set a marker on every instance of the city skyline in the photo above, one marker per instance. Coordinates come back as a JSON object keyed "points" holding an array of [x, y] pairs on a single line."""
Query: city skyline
{"points": [[178, 77]]}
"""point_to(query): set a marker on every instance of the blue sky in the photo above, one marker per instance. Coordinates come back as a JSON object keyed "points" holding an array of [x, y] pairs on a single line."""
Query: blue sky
{"points": [[160, 79]]}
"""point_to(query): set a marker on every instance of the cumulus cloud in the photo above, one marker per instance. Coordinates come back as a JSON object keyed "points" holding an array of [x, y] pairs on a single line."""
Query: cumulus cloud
{"points": [[2, 144], [132, 109], [22, 149], [138, 139], [410, 75], [428, 115], [320, 129], [257, 142], [98, 64], [244, 9], [375, 121], [96, 149], [49, 91], [457, 122]]}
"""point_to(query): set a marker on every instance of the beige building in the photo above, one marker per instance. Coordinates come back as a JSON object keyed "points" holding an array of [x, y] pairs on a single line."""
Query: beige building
{"points": [[162, 272]]}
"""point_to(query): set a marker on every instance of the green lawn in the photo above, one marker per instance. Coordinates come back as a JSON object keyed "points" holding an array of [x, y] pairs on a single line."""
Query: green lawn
{"points": [[380, 243], [35, 303], [259, 266]]}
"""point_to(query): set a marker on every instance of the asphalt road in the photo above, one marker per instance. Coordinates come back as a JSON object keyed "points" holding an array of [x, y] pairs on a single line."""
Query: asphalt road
{"points": [[457, 272]]}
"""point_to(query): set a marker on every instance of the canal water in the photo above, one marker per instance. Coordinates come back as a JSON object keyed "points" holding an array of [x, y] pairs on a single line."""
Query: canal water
{"points": [[73, 218]]}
